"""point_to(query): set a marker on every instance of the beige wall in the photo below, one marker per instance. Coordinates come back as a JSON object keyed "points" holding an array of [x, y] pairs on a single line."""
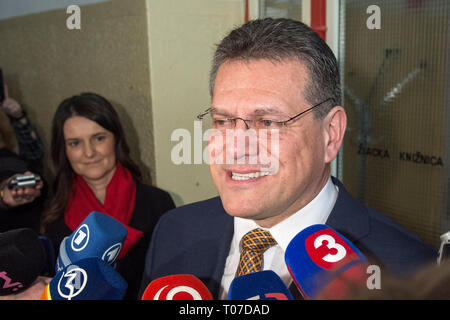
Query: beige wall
{"points": [[182, 37], [44, 62], [150, 58]]}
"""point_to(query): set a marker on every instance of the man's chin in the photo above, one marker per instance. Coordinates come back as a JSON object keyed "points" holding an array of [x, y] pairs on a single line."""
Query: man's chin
{"points": [[241, 210]]}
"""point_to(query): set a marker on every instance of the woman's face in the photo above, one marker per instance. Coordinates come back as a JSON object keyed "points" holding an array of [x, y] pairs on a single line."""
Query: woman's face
{"points": [[90, 149]]}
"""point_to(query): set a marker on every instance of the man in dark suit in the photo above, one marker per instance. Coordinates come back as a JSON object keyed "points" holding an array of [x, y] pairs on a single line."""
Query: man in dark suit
{"points": [[276, 76]]}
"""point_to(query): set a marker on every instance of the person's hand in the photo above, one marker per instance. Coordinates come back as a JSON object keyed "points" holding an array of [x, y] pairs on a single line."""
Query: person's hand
{"points": [[20, 196], [10, 106], [34, 292]]}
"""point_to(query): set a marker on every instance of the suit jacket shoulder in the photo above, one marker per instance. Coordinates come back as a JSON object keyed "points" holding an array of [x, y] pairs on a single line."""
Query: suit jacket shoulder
{"points": [[192, 239], [380, 238]]}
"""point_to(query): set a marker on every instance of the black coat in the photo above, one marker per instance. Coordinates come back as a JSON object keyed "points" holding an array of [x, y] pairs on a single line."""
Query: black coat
{"points": [[150, 204]]}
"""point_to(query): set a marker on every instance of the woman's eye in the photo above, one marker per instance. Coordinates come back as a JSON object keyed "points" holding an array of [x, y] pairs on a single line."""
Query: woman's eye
{"points": [[73, 144]]}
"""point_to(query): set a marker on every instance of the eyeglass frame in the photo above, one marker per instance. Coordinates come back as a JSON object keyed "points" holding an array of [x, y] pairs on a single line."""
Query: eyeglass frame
{"points": [[283, 123]]}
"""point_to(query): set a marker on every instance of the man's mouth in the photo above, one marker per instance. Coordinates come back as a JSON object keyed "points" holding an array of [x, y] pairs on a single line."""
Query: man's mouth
{"points": [[248, 176]]}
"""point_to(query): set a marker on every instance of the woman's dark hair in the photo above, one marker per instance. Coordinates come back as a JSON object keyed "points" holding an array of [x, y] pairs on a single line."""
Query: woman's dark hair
{"points": [[95, 108]]}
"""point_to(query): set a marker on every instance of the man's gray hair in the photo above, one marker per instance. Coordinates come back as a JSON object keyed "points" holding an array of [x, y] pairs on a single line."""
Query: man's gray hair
{"points": [[279, 39]]}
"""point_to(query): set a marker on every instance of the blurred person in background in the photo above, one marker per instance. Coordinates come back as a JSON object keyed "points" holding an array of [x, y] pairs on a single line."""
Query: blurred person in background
{"points": [[428, 283], [20, 207]]}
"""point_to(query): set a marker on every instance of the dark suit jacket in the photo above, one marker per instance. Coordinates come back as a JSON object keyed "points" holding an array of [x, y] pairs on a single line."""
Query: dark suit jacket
{"points": [[195, 239]]}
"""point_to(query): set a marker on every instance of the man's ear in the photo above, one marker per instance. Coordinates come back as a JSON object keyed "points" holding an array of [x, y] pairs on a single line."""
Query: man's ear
{"points": [[335, 124]]}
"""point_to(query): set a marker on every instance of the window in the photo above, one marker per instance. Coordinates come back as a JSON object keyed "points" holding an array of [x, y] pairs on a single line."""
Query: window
{"points": [[396, 86]]}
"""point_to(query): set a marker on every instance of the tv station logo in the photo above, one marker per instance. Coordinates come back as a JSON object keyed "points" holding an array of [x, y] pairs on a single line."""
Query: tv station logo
{"points": [[80, 239], [72, 282], [328, 250]]}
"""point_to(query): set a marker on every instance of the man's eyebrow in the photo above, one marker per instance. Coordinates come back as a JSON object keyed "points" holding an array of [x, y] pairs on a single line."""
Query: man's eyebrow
{"points": [[259, 111], [268, 110], [220, 112]]}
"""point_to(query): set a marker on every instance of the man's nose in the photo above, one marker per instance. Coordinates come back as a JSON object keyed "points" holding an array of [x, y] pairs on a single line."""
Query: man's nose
{"points": [[241, 144]]}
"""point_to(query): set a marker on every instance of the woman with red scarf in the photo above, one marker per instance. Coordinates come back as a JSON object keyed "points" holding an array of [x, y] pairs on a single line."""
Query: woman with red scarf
{"points": [[93, 171]]}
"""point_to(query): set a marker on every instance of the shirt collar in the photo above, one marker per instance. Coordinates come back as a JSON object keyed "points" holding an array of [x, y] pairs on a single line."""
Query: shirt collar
{"points": [[315, 212]]}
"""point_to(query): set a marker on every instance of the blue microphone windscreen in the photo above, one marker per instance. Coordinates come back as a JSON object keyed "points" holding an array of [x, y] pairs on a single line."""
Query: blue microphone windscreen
{"points": [[317, 255], [263, 285], [88, 279], [49, 269], [99, 236]]}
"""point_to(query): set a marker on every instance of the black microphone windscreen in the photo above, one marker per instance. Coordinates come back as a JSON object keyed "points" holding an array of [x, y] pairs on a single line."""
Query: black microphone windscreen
{"points": [[22, 259]]}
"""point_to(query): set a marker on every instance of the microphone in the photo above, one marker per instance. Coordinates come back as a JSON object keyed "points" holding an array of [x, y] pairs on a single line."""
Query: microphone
{"points": [[263, 285], [22, 259], [87, 279], [49, 269], [98, 236], [177, 287], [323, 263]]}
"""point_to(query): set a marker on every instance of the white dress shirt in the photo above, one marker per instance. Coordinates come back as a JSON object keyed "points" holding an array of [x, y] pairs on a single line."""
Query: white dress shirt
{"points": [[315, 212]]}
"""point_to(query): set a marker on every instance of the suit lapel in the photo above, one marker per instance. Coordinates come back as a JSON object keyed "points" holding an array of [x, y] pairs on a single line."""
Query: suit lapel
{"points": [[221, 243], [348, 216]]}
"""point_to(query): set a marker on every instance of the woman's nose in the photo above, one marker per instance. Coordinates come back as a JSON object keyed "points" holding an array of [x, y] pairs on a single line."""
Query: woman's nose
{"points": [[89, 150]]}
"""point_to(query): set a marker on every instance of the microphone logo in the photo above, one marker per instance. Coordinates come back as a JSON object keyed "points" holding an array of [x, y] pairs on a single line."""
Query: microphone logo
{"points": [[72, 283], [8, 282], [328, 250], [112, 253], [177, 293], [81, 238], [177, 287]]}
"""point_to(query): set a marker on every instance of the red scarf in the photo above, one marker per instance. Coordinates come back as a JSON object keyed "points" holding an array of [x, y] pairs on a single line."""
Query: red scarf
{"points": [[119, 204]]}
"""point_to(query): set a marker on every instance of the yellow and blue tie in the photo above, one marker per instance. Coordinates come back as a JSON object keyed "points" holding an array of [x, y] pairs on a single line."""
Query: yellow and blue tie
{"points": [[253, 245]]}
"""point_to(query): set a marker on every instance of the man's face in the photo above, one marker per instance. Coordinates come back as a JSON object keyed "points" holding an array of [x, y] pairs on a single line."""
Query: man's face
{"points": [[273, 90]]}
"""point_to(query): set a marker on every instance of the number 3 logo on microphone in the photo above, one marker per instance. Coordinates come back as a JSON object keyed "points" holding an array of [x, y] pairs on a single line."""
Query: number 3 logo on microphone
{"points": [[328, 250]]}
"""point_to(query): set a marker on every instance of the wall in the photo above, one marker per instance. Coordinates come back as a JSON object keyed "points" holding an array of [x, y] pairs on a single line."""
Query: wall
{"points": [[15, 8], [150, 58], [182, 38], [44, 63]]}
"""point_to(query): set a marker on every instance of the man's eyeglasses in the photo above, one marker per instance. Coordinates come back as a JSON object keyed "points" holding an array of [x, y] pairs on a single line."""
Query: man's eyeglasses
{"points": [[257, 123]]}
